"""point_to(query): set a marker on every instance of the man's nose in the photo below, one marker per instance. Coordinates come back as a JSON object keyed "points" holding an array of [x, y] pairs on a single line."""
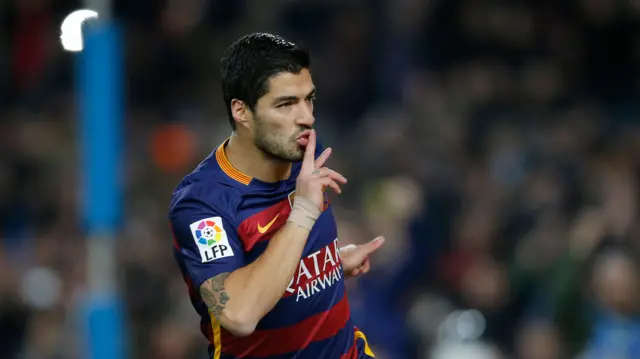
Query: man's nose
{"points": [[305, 117]]}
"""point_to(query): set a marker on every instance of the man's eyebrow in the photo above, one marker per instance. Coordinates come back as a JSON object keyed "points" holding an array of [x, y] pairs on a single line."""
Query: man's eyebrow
{"points": [[292, 98], [285, 99]]}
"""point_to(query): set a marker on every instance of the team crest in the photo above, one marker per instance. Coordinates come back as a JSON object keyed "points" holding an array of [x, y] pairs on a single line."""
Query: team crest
{"points": [[325, 204]]}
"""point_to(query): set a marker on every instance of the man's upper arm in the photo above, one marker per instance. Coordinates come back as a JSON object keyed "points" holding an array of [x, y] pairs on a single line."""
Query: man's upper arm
{"points": [[207, 240]]}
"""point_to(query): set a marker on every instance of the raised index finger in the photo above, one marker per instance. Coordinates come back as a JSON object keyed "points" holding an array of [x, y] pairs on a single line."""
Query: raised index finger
{"points": [[310, 152]]}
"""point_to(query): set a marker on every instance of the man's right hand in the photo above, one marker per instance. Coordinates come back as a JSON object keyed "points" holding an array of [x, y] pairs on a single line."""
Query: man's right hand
{"points": [[314, 176]]}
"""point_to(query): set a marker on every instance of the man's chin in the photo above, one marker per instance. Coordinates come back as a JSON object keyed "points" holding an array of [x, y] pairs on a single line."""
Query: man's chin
{"points": [[294, 157], [286, 157], [296, 154]]}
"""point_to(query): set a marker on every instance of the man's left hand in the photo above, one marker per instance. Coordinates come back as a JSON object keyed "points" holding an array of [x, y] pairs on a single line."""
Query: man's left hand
{"points": [[355, 259]]}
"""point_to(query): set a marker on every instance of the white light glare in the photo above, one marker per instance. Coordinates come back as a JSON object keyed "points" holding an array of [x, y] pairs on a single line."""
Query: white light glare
{"points": [[71, 29]]}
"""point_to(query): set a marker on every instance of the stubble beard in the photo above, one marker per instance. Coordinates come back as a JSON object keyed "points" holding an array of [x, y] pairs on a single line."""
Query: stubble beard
{"points": [[276, 147]]}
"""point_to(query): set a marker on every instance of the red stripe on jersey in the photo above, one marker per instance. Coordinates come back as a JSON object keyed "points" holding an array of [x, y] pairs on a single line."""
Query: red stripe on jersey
{"points": [[264, 343], [264, 224], [207, 331], [316, 271], [175, 240], [352, 353]]}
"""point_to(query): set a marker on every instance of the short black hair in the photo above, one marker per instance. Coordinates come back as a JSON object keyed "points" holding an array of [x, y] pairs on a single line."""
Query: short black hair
{"points": [[249, 63]]}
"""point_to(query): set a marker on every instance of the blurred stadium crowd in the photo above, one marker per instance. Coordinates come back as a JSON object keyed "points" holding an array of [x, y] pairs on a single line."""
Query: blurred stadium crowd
{"points": [[496, 144]]}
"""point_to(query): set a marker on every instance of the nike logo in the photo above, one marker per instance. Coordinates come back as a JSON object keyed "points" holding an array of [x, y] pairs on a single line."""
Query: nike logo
{"points": [[264, 229]]}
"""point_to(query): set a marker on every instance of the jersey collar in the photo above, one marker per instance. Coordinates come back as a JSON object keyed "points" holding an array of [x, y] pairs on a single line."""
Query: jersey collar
{"points": [[227, 168]]}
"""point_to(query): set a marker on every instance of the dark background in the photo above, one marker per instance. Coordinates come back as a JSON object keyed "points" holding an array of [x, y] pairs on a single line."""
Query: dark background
{"points": [[496, 144]]}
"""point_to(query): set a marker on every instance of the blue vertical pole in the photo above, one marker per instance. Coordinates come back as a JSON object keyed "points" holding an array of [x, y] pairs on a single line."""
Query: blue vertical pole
{"points": [[101, 117]]}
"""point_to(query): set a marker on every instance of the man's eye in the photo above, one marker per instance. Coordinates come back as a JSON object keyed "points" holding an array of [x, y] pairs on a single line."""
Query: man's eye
{"points": [[285, 104]]}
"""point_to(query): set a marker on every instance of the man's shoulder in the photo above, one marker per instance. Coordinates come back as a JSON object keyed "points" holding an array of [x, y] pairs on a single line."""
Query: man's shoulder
{"points": [[205, 193]]}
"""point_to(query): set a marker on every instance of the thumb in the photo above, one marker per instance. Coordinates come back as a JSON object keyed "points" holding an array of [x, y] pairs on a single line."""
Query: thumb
{"points": [[372, 245]]}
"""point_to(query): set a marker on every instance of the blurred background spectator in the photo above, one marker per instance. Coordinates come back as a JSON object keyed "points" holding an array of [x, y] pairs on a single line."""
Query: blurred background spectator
{"points": [[496, 144]]}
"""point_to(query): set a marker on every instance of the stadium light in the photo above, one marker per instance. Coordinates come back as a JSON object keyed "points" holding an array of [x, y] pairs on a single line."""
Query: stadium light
{"points": [[71, 35]]}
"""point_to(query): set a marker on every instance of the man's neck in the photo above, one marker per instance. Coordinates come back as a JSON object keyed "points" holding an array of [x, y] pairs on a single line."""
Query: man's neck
{"points": [[248, 159]]}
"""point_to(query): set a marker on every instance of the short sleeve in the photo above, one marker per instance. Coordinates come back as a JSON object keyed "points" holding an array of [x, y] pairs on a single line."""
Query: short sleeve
{"points": [[207, 241]]}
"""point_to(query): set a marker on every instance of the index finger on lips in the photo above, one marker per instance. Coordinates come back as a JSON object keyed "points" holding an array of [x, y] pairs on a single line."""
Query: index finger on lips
{"points": [[309, 152]]}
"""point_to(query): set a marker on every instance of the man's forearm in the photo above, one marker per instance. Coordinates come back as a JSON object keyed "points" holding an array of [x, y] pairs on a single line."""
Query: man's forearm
{"points": [[241, 298]]}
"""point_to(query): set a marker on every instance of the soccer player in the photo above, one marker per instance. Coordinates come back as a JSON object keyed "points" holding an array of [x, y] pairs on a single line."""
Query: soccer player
{"points": [[254, 234]]}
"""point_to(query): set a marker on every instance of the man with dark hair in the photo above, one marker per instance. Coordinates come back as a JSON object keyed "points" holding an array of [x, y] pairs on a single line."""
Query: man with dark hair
{"points": [[254, 234]]}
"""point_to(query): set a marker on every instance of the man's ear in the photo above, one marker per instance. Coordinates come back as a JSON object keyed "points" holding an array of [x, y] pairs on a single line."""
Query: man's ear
{"points": [[241, 113]]}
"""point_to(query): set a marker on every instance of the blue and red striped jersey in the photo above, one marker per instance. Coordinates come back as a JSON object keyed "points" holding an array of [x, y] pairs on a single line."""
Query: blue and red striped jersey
{"points": [[222, 220]]}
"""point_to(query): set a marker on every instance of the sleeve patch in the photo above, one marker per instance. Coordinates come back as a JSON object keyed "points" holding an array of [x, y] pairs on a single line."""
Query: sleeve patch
{"points": [[211, 239]]}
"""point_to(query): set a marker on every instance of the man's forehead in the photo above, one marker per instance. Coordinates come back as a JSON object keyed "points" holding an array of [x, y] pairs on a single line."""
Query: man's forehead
{"points": [[290, 84]]}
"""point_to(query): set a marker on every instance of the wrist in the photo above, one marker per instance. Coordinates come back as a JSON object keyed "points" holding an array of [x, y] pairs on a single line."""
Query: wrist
{"points": [[304, 213]]}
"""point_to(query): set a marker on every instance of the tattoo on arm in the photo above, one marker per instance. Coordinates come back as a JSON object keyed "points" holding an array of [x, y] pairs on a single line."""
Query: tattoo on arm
{"points": [[214, 294]]}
